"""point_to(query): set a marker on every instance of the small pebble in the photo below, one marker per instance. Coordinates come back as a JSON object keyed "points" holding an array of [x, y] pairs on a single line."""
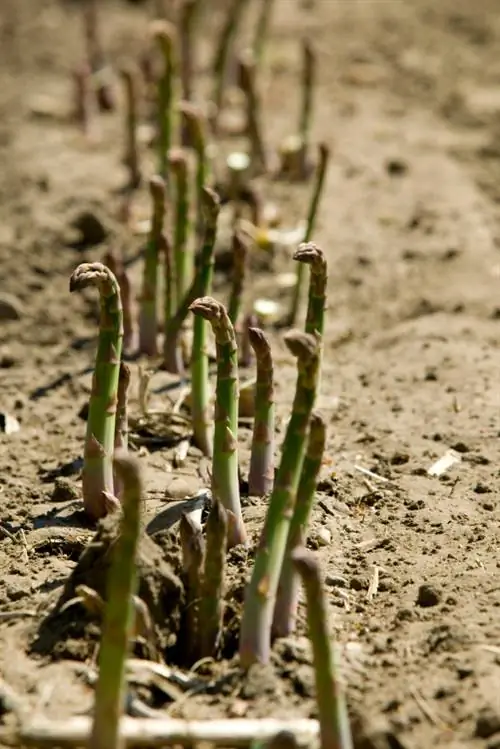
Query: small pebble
{"points": [[428, 596], [181, 487], [487, 723], [10, 307], [323, 537], [64, 490]]}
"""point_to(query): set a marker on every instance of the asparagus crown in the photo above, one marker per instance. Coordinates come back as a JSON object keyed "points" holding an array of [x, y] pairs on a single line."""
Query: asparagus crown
{"points": [[178, 160], [164, 33], [260, 344], [194, 122], [211, 206], [94, 274], [303, 346], [310, 253]]}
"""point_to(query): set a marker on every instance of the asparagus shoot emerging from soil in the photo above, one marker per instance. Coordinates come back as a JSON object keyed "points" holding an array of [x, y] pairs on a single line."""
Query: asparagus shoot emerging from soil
{"points": [[310, 254], [172, 360], [225, 479], [246, 357], [239, 267], [179, 166], [118, 613], [255, 636], [285, 610], [266, 9], [148, 322], [195, 126], [246, 82], [130, 80], [187, 19], [223, 51], [324, 155], [212, 593], [164, 35], [335, 732], [97, 476], [193, 551], [261, 474]]}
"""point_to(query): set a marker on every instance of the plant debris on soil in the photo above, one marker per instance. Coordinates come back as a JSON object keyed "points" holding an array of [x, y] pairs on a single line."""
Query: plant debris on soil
{"points": [[408, 100]]}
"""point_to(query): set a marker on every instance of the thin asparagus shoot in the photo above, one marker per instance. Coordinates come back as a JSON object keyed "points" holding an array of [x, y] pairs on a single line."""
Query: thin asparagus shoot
{"points": [[238, 279], [126, 294], [85, 106], [178, 163], [212, 591], [285, 611], [311, 255], [187, 20], [131, 159], [261, 473], [255, 635], [193, 552], [223, 51], [118, 613], [246, 82], [171, 352], [169, 278], [335, 731], [195, 125], [262, 28], [308, 81], [321, 169], [97, 475], [96, 58], [164, 34], [225, 479], [148, 322], [121, 423]]}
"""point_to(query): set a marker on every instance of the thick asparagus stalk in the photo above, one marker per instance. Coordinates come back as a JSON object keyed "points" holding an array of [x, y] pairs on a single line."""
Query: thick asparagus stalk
{"points": [[223, 51], [172, 359], [310, 254], [255, 636], [225, 479], [335, 730], [212, 591], [239, 268], [97, 477], [261, 474], [148, 322], [178, 163], [193, 552], [131, 159], [261, 31], [324, 155], [118, 613], [187, 20], [195, 125], [246, 81], [164, 34], [285, 611]]}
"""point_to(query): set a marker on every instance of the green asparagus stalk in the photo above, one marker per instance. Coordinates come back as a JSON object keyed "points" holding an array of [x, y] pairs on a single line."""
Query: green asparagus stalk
{"points": [[131, 158], [188, 12], [223, 51], [308, 81], [121, 423], [324, 155], [285, 611], [261, 474], [164, 34], [178, 164], [172, 359], [239, 268], [335, 731], [255, 635], [126, 294], [148, 322], [193, 552], [195, 125], [169, 300], [97, 476], [246, 82], [212, 591], [310, 254], [225, 479], [118, 613], [261, 31]]}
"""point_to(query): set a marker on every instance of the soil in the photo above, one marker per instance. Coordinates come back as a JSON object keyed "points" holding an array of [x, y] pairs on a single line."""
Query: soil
{"points": [[408, 97]]}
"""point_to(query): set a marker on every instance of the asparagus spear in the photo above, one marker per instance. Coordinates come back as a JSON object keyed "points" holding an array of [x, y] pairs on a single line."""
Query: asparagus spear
{"points": [[195, 125], [193, 551], [335, 732], [97, 477], [261, 474], [178, 163], [188, 12], [324, 155], [148, 322], [121, 423], [266, 8], [164, 34], [310, 254], [212, 591], [118, 613], [246, 82], [223, 50], [200, 385], [211, 206], [255, 635], [308, 80], [225, 479], [96, 58], [285, 611], [131, 159], [246, 357], [239, 268], [126, 294], [166, 250]]}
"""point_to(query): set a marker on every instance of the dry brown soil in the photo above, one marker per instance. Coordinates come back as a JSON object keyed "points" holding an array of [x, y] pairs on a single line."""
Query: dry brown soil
{"points": [[409, 99]]}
